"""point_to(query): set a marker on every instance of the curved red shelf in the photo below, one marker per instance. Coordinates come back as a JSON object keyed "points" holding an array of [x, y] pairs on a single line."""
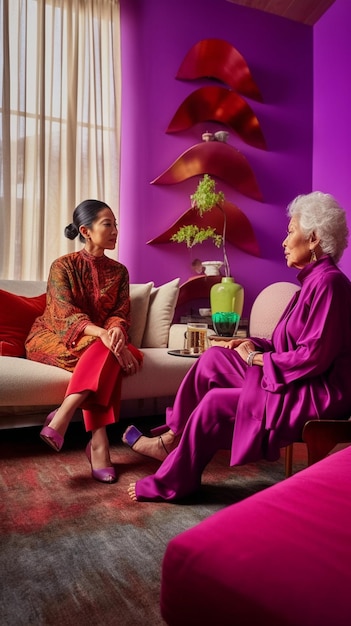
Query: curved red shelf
{"points": [[219, 104], [239, 230], [216, 58], [217, 159]]}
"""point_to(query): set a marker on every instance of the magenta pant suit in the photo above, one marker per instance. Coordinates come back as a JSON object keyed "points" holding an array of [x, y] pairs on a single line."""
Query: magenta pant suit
{"points": [[223, 403], [204, 414]]}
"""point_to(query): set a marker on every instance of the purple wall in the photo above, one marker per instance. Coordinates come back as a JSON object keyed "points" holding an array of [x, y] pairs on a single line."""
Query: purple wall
{"points": [[332, 128], [156, 35]]}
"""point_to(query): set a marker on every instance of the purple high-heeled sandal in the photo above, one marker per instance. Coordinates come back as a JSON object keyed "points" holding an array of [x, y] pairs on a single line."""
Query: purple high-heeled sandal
{"points": [[104, 475], [51, 436]]}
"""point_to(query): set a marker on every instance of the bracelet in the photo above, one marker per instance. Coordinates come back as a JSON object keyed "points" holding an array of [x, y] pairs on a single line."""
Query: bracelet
{"points": [[251, 357]]}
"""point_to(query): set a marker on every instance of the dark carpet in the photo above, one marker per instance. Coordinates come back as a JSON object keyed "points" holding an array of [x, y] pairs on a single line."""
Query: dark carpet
{"points": [[77, 552]]}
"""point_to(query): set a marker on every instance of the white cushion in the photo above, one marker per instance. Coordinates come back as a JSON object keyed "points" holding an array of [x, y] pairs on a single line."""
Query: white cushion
{"points": [[163, 301], [27, 383], [139, 306], [28, 288], [160, 375]]}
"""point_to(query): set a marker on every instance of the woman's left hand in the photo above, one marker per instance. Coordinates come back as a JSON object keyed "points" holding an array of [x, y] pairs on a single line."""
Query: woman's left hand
{"points": [[230, 345], [245, 348], [117, 340], [128, 362]]}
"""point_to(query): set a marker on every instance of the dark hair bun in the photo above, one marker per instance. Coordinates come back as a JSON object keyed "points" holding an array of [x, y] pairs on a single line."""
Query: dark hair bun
{"points": [[71, 231]]}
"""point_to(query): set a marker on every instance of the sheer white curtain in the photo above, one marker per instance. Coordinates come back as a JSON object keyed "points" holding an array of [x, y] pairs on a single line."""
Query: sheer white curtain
{"points": [[60, 124]]}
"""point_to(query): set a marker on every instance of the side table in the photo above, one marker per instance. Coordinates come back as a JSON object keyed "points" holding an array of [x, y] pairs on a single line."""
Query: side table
{"points": [[198, 319]]}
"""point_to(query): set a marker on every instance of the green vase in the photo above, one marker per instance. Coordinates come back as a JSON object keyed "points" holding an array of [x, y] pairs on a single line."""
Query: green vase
{"points": [[227, 301]]}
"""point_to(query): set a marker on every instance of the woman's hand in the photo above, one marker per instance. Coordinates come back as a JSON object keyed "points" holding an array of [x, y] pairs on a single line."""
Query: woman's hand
{"points": [[113, 339], [230, 345], [128, 362], [244, 350], [117, 340]]}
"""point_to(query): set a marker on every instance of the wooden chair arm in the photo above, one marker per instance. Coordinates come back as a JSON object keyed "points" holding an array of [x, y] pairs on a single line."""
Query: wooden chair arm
{"points": [[321, 436]]}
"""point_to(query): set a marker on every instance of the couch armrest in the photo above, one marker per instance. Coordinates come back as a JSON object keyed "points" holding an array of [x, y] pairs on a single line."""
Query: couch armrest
{"points": [[176, 336]]}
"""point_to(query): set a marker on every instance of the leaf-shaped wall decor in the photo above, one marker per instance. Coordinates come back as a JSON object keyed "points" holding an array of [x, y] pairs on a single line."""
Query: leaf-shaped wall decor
{"points": [[239, 231], [218, 59], [219, 104], [217, 159]]}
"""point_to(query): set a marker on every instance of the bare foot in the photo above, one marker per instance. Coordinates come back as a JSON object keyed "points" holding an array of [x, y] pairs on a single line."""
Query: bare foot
{"points": [[155, 447], [131, 492]]}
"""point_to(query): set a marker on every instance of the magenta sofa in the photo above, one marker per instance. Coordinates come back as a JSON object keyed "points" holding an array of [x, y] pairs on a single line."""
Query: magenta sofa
{"points": [[281, 557]]}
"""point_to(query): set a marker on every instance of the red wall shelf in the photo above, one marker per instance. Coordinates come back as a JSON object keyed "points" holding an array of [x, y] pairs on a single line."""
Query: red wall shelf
{"points": [[217, 159], [219, 104]]}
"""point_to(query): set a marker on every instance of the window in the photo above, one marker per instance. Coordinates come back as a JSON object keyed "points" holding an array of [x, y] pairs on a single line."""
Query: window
{"points": [[59, 124]]}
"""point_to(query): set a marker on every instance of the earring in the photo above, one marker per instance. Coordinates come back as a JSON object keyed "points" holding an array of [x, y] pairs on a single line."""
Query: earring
{"points": [[313, 258]]}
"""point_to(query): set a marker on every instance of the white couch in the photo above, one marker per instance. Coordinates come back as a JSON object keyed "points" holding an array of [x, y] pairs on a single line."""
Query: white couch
{"points": [[29, 390]]}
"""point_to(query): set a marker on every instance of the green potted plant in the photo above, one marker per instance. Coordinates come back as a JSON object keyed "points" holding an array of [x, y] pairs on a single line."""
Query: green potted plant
{"points": [[204, 200]]}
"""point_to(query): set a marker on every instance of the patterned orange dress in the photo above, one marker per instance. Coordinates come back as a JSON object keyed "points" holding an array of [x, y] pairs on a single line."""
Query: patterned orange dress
{"points": [[84, 289]]}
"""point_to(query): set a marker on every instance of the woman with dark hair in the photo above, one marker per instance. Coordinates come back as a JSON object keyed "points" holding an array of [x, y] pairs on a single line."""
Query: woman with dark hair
{"points": [[84, 329], [253, 396]]}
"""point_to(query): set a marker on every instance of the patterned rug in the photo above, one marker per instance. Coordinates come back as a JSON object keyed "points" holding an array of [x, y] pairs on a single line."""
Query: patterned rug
{"points": [[77, 552]]}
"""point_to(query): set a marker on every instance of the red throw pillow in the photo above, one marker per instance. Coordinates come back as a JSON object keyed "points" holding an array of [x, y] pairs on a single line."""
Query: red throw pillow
{"points": [[17, 314]]}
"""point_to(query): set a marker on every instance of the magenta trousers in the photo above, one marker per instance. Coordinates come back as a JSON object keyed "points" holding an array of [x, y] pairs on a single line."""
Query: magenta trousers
{"points": [[203, 414]]}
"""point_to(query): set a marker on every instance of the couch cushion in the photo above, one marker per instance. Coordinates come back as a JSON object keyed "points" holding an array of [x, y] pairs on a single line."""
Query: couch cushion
{"points": [[139, 306], [160, 375], [279, 557], [17, 314], [29, 383], [27, 288], [163, 301], [25, 383]]}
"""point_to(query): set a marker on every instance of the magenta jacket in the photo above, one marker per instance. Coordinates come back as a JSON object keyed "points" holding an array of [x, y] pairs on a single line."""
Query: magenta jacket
{"points": [[307, 367]]}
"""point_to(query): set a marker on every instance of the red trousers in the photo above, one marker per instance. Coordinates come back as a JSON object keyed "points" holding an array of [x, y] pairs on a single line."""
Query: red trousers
{"points": [[99, 372]]}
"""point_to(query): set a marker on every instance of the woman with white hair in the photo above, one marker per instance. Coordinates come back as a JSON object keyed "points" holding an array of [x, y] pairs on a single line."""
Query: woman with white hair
{"points": [[254, 395]]}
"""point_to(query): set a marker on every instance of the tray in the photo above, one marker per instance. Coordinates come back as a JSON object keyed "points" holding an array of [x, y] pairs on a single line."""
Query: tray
{"points": [[181, 353]]}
